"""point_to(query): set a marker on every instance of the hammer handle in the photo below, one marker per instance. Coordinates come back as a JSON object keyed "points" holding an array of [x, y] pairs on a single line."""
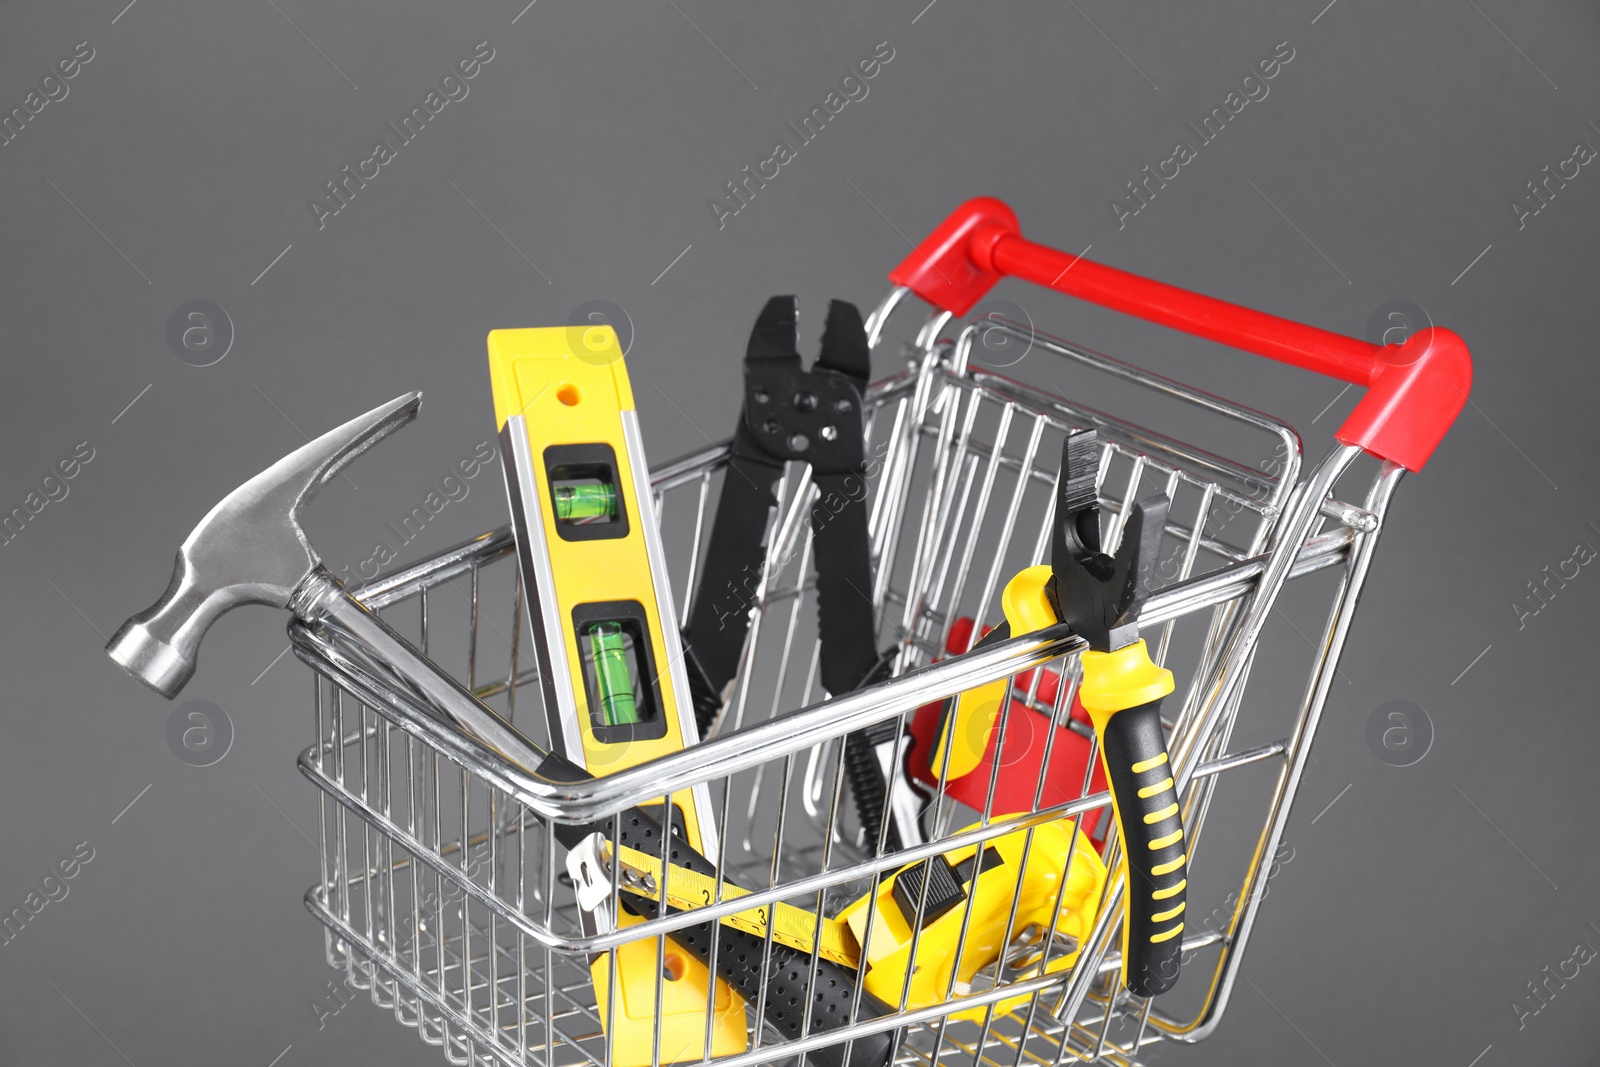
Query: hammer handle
{"points": [[324, 604]]}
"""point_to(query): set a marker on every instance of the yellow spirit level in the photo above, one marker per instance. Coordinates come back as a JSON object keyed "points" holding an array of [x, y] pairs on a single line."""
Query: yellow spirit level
{"points": [[604, 632]]}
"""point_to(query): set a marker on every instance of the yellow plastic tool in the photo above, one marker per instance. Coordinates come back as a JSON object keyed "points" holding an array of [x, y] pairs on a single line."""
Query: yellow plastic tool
{"points": [[605, 641], [965, 732], [683, 1003], [1050, 891]]}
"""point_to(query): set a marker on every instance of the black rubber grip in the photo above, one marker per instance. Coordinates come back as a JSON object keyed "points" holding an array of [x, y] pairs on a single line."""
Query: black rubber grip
{"points": [[1135, 754], [846, 618], [867, 787], [719, 618], [703, 694], [863, 771], [739, 954]]}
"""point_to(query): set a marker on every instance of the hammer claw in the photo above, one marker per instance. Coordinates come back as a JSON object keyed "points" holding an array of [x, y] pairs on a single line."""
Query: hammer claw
{"points": [[249, 549]]}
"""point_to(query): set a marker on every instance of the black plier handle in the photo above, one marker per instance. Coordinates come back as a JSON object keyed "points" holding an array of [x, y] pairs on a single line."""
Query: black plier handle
{"points": [[814, 417]]}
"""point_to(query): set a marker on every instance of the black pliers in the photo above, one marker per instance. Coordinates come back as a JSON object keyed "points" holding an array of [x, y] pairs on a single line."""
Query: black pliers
{"points": [[811, 416]]}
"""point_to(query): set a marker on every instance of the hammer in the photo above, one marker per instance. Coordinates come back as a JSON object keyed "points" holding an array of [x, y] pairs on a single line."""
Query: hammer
{"points": [[251, 549]]}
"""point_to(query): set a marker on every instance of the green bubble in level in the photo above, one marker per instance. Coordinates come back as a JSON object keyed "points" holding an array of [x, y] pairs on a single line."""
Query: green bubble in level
{"points": [[613, 677], [592, 501]]}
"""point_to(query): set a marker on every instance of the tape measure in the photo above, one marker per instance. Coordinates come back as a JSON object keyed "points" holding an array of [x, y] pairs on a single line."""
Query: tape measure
{"points": [[687, 890], [1028, 882]]}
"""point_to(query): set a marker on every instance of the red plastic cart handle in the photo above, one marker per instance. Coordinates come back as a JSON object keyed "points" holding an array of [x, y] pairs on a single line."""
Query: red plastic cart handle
{"points": [[1414, 389]]}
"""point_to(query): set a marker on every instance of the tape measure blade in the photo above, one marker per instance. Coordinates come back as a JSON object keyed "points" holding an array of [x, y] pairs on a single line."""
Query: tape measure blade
{"points": [[792, 927]]}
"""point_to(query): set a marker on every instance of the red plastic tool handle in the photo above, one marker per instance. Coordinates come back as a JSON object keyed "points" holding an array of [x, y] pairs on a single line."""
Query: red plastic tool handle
{"points": [[1414, 389]]}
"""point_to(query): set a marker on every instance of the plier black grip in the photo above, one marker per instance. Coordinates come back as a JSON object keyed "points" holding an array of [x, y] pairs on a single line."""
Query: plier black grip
{"points": [[816, 417]]}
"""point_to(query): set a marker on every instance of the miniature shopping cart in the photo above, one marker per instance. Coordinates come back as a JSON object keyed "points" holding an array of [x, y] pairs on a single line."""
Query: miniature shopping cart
{"points": [[441, 891]]}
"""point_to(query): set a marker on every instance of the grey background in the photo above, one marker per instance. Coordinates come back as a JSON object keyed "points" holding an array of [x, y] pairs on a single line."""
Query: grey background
{"points": [[1416, 906]]}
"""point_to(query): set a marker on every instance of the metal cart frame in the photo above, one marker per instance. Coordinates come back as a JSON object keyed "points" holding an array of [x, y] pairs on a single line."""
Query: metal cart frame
{"points": [[441, 888]]}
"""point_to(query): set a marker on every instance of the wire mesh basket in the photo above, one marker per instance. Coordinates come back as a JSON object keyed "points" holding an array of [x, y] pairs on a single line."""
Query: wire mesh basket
{"points": [[443, 891]]}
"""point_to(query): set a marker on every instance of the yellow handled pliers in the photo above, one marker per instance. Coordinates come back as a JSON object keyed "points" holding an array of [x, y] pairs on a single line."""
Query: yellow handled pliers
{"points": [[1099, 596]]}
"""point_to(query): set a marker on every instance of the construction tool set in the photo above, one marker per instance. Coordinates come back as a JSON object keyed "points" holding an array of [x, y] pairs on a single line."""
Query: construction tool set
{"points": [[884, 732]]}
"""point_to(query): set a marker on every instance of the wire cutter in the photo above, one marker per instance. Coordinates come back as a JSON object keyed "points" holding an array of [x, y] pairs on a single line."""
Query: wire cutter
{"points": [[816, 417], [1099, 597]]}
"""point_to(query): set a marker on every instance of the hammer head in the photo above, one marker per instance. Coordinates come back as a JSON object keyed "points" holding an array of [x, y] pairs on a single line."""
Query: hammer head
{"points": [[249, 549]]}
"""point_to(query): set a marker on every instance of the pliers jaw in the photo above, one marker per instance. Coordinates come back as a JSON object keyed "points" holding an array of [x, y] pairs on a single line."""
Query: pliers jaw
{"points": [[1100, 595], [810, 416]]}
